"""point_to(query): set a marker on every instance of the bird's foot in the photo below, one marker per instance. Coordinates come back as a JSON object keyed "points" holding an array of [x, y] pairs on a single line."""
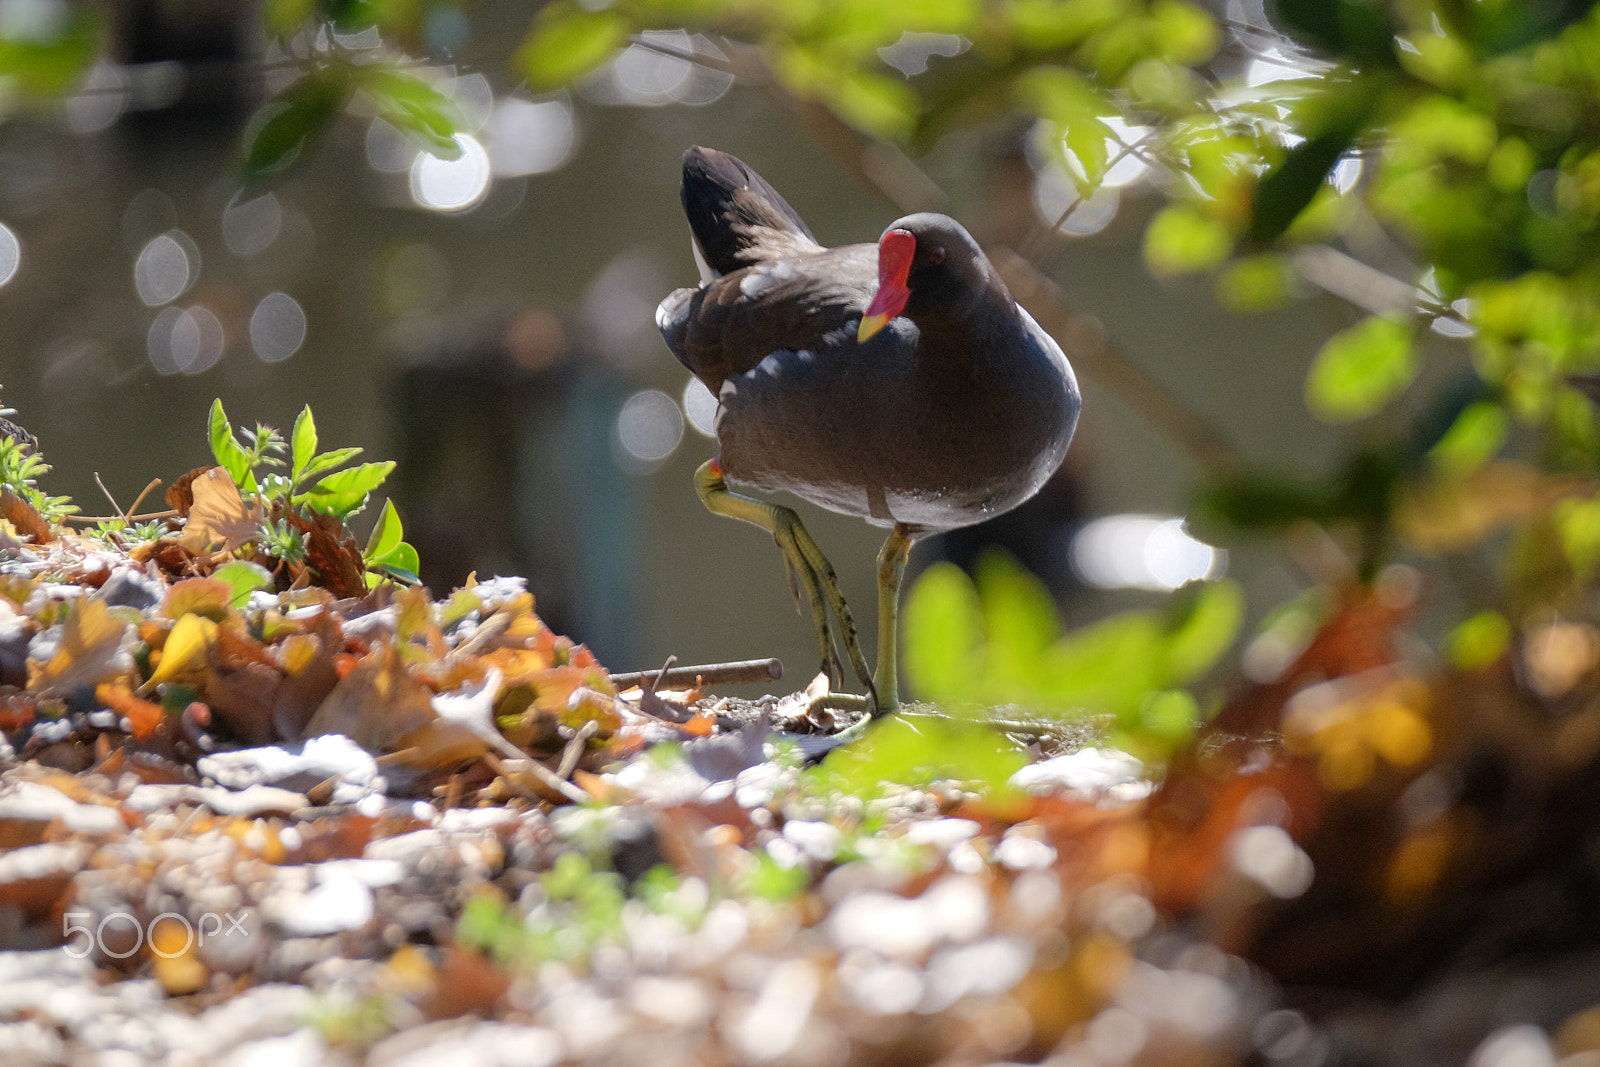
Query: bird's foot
{"points": [[811, 576]]}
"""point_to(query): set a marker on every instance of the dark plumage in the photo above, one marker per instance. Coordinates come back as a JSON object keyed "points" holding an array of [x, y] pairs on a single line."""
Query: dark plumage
{"points": [[948, 406]]}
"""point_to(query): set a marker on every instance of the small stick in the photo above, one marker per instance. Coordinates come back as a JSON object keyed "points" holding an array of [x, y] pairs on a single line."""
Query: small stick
{"points": [[487, 631], [545, 775], [574, 750], [134, 509], [168, 514], [745, 670], [123, 515]]}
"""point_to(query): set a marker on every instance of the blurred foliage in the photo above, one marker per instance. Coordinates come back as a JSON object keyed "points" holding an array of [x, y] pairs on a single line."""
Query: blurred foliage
{"points": [[903, 752], [999, 640]]}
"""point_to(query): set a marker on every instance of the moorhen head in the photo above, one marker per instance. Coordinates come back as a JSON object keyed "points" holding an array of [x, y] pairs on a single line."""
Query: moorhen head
{"points": [[898, 382]]}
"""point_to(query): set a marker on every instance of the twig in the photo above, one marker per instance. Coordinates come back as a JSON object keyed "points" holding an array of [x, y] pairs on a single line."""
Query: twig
{"points": [[123, 515], [487, 631], [133, 508], [170, 513], [547, 777], [709, 62], [1033, 246], [574, 750], [745, 670]]}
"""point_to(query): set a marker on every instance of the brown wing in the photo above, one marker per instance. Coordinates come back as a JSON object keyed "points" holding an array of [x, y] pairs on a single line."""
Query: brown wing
{"points": [[732, 323]]}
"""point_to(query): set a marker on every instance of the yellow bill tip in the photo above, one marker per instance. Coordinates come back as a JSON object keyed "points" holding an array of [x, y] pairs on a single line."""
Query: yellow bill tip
{"points": [[870, 324]]}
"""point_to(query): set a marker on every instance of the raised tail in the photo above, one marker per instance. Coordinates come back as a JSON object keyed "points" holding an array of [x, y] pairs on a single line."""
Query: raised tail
{"points": [[737, 218]]}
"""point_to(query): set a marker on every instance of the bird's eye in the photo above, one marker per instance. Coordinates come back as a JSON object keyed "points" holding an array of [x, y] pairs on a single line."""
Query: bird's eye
{"points": [[936, 256]]}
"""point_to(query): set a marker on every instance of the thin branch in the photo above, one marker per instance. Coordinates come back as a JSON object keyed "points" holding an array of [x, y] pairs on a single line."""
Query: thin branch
{"points": [[134, 507], [709, 62], [87, 520], [123, 515]]}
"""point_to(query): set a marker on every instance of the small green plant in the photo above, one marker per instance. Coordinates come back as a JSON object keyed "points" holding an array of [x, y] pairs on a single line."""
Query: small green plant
{"points": [[127, 534], [20, 468], [291, 478]]}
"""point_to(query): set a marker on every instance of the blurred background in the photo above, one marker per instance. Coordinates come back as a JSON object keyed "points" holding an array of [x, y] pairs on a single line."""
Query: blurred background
{"points": [[487, 321]]}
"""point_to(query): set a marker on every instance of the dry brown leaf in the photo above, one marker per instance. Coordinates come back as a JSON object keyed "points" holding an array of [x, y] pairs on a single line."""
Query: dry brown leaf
{"points": [[333, 554], [377, 705], [181, 497], [309, 677], [24, 517], [219, 519], [243, 699]]}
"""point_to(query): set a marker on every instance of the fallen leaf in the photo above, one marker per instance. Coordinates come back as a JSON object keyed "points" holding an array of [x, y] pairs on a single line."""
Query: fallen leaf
{"points": [[24, 517], [219, 519], [143, 716], [184, 651], [92, 651], [181, 497], [333, 554], [309, 676], [377, 705], [197, 596], [244, 700]]}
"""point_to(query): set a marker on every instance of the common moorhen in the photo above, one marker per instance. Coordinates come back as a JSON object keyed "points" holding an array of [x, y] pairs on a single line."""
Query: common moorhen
{"points": [[898, 382]]}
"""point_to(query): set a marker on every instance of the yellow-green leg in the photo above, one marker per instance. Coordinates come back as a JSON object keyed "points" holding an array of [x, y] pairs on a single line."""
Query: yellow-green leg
{"points": [[891, 569], [810, 573]]}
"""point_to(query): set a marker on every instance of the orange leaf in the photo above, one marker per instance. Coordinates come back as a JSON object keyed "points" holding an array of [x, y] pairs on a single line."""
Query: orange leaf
{"points": [[143, 716], [701, 725]]}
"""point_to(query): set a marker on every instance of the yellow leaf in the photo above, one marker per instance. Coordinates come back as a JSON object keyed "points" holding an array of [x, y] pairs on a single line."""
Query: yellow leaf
{"points": [[185, 649], [91, 651]]}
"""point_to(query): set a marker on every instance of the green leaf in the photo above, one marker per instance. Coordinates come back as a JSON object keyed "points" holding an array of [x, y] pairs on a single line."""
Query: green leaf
{"points": [[283, 127], [344, 492], [898, 752], [1168, 715], [1070, 102], [231, 456], [1361, 369], [1479, 641], [566, 42], [1472, 439], [1183, 239], [49, 61], [1256, 283], [1206, 618], [303, 443], [1182, 32], [327, 462], [243, 578], [410, 104], [941, 625], [386, 534], [1020, 616], [362, 479]]}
